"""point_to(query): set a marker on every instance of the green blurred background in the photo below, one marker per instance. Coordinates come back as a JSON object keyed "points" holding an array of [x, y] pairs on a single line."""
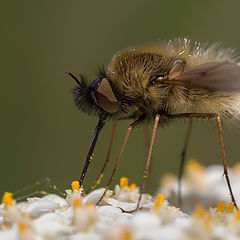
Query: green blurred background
{"points": [[43, 134]]}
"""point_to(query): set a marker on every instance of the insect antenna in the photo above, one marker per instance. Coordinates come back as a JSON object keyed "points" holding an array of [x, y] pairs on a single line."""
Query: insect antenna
{"points": [[98, 128], [75, 78], [100, 175]]}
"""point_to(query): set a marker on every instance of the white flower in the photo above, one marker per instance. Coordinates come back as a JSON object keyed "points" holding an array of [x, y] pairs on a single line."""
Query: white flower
{"points": [[39, 207], [204, 186], [52, 226], [126, 197], [95, 195], [77, 217]]}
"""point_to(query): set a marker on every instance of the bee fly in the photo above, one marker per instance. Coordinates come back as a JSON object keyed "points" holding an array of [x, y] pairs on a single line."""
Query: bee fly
{"points": [[158, 83]]}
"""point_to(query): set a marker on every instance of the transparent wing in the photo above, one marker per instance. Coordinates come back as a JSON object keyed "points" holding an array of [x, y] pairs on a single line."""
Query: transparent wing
{"points": [[215, 76]]}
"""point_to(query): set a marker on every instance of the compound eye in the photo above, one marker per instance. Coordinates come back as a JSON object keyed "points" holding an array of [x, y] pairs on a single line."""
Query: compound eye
{"points": [[105, 96]]}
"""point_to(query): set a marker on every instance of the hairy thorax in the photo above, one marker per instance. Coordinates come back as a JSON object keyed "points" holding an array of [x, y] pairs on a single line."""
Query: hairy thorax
{"points": [[134, 73]]}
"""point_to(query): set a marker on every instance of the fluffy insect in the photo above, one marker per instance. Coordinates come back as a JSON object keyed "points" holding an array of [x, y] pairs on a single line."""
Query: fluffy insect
{"points": [[159, 83]]}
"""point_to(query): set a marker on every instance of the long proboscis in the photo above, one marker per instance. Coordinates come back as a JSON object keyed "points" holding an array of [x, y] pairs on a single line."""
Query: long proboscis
{"points": [[98, 129]]}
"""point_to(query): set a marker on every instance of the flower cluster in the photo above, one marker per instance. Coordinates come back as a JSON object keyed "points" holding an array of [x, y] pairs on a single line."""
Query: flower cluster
{"points": [[201, 186], [77, 217]]}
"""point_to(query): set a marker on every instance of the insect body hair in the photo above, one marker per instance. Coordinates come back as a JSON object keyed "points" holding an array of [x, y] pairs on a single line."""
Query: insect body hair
{"points": [[133, 72]]}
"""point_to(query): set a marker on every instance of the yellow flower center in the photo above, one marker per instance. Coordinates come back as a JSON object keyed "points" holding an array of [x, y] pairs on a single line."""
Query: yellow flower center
{"points": [[75, 185], [89, 205], [22, 227], [159, 200], [230, 208], [132, 186], [127, 234], [221, 207], [237, 218], [77, 202], [7, 198], [199, 212], [123, 182], [194, 166]]}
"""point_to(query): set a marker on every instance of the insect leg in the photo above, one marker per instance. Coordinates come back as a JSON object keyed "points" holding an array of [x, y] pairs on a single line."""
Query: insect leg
{"points": [[147, 165], [224, 161], [182, 163], [130, 127], [100, 175]]}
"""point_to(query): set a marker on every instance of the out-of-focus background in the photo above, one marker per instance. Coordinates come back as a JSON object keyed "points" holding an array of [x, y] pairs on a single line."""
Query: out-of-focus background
{"points": [[43, 134]]}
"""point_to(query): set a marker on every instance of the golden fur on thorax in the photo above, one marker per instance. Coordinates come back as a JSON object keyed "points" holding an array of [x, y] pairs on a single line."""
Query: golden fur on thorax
{"points": [[132, 70]]}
